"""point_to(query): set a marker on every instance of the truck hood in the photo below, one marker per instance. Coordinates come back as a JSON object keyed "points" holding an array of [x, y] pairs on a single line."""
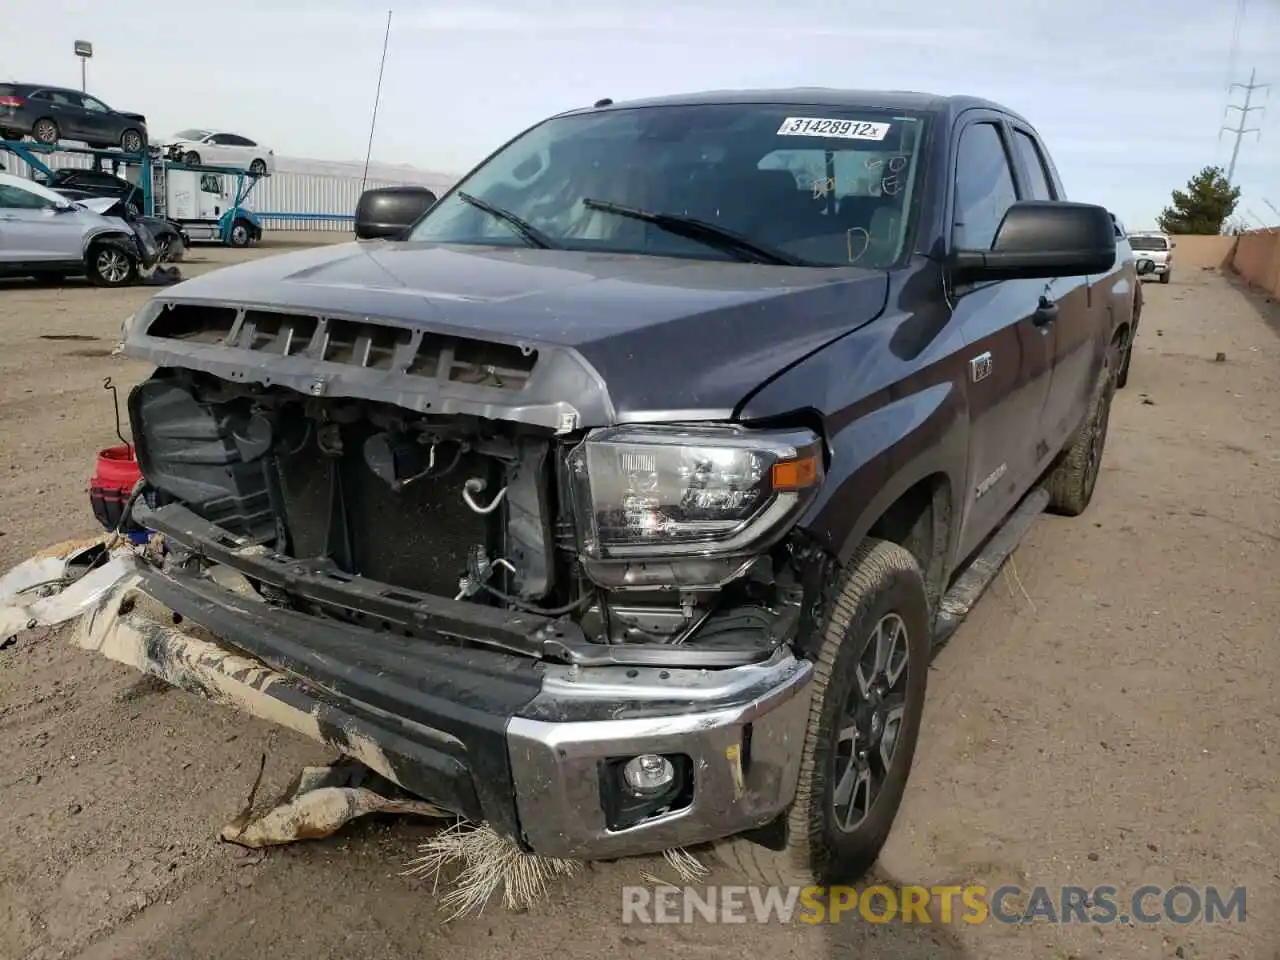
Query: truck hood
{"points": [[666, 335]]}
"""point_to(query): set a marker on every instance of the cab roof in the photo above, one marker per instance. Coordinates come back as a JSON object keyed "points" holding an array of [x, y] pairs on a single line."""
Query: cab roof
{"points": [[906, 100]]}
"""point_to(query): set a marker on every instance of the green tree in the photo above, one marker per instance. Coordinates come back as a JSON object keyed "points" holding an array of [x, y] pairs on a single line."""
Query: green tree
{"points": [[1203, 207]]}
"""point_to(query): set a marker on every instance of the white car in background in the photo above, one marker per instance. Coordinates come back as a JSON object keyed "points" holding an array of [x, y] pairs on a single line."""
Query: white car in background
{"points": [[220, 148]]}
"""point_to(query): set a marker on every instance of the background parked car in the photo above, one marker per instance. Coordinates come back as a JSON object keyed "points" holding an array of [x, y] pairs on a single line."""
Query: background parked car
{"points": [[49, 114], [1158, 248], [43, 234], [220, 148], [75, 184]]}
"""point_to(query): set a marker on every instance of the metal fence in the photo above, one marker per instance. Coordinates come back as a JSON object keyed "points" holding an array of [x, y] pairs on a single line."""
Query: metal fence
{"points": [[302, 201]]}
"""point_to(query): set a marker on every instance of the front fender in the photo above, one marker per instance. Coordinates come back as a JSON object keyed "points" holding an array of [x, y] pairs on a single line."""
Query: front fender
{"points": [[121, 234], [890, 421]]}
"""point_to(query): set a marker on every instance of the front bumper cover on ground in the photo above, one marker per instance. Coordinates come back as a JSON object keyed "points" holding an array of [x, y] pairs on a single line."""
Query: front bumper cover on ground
{"points": [[467, 729]]}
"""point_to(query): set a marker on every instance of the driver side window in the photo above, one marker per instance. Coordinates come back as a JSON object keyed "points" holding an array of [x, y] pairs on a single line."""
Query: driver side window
{"points": [[984, 187], [14, 198]]}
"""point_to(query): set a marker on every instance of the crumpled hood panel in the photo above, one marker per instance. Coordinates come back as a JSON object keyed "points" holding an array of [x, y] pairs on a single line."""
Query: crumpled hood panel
{"points": [[665, 334]]}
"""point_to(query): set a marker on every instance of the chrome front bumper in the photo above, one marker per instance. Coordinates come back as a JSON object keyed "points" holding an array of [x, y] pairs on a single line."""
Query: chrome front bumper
{"points": [[743, 729]]}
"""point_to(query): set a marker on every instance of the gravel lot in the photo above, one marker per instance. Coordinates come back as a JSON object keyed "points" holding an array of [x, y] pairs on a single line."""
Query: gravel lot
{"points": [[1108, 715]]}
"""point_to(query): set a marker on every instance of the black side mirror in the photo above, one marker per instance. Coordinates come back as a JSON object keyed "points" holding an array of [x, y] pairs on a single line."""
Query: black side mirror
{"points": [[387, 213], [1042, 239], [1145, 266]]}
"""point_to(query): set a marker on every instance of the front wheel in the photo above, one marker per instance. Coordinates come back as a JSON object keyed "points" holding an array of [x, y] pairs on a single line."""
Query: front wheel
{"points": [[1164, 277], [870, 674], [110, 265], [191, 157], [258, 168], [240, 234], [131, 141]]}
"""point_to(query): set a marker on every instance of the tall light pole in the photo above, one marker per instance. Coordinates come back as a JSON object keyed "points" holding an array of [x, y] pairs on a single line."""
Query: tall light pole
{"points": [[84, 50]]}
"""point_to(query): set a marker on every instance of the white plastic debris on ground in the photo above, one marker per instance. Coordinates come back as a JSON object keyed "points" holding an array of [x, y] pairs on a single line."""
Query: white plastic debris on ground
{"points": [[51, 588]]}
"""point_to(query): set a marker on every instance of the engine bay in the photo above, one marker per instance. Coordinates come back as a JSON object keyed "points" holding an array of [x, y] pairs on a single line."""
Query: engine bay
{"points": [[454, 507]]}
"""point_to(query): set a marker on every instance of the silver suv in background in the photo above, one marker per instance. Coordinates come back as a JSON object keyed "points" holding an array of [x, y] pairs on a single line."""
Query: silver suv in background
{"points": [[46, 235], [1156, 247]]}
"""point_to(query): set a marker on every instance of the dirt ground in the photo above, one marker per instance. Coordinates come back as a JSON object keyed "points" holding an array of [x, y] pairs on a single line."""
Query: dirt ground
{"points": [[1108, 715]]}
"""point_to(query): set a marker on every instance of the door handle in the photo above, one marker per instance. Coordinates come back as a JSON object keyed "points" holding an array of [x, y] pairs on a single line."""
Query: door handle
{"points": [[1046, 312]]}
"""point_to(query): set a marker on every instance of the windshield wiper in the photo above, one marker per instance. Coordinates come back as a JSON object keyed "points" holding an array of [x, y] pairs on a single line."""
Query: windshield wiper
{"points": [[532, 234], [720, 238]]}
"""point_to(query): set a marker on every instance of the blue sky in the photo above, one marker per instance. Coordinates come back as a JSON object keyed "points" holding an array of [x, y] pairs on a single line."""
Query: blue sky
{"points": [[1129, 94]]}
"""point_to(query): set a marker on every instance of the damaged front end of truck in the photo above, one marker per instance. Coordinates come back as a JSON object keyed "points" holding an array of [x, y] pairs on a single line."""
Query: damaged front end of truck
{"points": [[447, 557]]}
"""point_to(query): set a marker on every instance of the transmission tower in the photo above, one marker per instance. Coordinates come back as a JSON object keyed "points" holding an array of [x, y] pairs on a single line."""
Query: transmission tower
{"points": [[1245, 110]]}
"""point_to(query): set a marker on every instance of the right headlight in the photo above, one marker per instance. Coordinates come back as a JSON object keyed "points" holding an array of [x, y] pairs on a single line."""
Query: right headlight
{"points": [[665, 493]]}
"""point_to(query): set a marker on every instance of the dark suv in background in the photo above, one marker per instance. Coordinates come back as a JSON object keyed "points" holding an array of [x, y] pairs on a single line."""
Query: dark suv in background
{"points": [[50, 114]]}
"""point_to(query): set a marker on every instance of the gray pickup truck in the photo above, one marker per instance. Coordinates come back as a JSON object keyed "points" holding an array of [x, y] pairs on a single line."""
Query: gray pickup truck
{"points": [[621, 499]]}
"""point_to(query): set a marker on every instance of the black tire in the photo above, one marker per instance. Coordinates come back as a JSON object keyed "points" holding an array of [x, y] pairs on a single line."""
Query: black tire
{"points": [[258, 167], [241, 233], [883, 583], [1164, 277], [109, 264], [172, 249], [1072, 479], [132, 141], [1122, 377], [191, 157], [45, 131]]}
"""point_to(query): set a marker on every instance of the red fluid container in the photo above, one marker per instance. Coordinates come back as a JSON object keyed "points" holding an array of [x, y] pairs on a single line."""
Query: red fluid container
{"points": [[112, 484]]}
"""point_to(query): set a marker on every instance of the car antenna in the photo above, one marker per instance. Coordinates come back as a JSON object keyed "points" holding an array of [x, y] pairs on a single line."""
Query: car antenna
{"points": [[377, 96], [606, 102], [115, 400]]}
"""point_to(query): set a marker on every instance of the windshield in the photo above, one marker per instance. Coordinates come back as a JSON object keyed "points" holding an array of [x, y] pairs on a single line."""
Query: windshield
{"points": [[833, 188], [191, 134], [1148, 243]]}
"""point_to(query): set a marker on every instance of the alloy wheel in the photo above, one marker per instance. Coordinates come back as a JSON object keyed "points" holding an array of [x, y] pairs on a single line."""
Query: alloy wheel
{"points": [[112, 266], [870, 723]]}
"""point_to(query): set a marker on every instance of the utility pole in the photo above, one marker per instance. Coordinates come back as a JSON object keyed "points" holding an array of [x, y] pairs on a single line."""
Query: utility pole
{"points": [[1241, 130]]}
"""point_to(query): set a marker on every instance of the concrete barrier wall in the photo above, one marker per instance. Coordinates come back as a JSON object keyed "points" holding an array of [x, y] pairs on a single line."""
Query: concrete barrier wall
{"points": [[1257, 259], [1194, 252]]}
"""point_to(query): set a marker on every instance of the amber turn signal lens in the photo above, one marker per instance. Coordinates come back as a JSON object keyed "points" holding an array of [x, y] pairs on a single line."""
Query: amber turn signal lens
{"points": [[797, 474]]}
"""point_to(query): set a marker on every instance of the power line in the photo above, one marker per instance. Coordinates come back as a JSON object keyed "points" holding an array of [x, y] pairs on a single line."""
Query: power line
{"points": [[1245, 110], [1235, 42]]}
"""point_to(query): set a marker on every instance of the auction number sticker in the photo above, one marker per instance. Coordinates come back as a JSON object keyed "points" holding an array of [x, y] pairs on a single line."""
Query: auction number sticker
{"points": [[841, 129]]}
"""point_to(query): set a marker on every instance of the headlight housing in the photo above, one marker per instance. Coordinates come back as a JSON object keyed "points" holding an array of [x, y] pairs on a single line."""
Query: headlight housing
{"points": [[695, 493]]}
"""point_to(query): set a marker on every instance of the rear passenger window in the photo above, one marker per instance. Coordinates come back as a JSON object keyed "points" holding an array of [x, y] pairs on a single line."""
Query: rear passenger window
{"points": [[1034, 165], [984, 187]]}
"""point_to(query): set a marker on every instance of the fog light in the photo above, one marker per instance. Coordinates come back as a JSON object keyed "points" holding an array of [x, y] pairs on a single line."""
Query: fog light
{"points": [[648, 775]]}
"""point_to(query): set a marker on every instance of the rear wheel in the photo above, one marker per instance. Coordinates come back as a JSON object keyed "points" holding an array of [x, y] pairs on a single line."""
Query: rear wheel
{"points": [[1122, 378], [45, 131], [1072, 480], [870, 674], [110, 265], [131, 141]]}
